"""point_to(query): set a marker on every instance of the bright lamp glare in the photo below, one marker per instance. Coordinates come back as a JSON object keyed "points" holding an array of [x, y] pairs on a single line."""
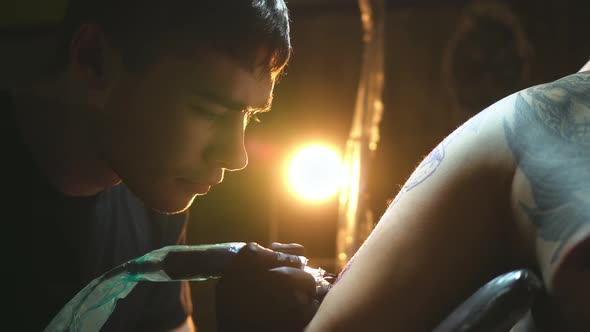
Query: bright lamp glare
{"points": [[316, 172]]}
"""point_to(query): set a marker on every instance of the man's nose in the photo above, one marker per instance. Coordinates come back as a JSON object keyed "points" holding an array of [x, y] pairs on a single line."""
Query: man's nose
{"points": [[237, 159], [229, 151]]}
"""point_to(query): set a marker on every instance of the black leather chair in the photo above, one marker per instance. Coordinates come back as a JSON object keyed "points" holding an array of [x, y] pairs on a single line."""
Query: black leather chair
{"points": [[501, 305]]}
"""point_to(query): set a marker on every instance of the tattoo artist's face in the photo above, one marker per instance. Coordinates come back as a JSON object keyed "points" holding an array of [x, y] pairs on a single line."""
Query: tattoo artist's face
{"points": [[171, 132]]}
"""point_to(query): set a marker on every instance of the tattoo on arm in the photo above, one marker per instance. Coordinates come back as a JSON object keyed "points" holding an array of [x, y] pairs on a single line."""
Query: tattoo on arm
{"points": [[550, 140], [430, 164]]}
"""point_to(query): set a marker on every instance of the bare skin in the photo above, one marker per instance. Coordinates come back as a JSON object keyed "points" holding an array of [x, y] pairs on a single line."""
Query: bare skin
{"points": [[504, 191]]}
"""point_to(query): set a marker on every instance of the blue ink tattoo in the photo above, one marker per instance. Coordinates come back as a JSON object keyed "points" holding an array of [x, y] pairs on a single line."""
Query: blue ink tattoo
{"points": [[550, 140], [431, 163]]}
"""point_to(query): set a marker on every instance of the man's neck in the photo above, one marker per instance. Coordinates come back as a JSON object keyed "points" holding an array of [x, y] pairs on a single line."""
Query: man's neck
{"points": [[60, 138]]}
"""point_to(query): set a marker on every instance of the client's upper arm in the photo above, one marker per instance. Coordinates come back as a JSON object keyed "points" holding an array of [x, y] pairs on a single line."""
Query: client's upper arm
{"points": [[447, 232]]}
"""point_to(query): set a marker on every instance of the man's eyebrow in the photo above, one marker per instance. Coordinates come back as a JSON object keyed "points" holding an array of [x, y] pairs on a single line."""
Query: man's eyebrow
{"points": [[229, 103]]}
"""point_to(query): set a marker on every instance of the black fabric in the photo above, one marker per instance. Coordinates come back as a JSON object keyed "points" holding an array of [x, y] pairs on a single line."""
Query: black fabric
{"points": [[54, 245]]}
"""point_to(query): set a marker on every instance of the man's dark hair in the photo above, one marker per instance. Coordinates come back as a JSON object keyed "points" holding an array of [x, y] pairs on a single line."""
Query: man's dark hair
{"points": [[142, 30]]}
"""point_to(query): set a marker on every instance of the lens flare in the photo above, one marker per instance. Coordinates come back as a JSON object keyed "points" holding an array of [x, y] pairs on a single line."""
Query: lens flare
{"points": [[316, 172]]}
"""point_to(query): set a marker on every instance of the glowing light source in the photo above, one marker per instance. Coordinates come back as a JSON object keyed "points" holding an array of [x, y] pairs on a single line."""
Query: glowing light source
{"points": [[316, 172]]}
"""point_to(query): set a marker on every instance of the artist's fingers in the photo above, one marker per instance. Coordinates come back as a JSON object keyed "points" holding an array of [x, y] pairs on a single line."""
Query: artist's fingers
{"points": [[253, 256], [288, 248], [301, 282]]}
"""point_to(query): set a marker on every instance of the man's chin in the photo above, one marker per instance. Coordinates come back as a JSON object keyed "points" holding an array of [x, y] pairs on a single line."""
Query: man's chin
{"points": [[171, 207]]}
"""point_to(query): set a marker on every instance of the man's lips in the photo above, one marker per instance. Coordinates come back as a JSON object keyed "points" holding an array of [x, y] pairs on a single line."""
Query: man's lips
{"points": [[197, 187]]}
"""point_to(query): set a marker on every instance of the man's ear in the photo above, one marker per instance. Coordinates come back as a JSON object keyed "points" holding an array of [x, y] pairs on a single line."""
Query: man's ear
{"points": [[87, 55]]}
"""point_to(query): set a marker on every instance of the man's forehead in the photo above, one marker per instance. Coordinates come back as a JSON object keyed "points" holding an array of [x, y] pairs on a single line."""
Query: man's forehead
{"points": [[215, 75]]}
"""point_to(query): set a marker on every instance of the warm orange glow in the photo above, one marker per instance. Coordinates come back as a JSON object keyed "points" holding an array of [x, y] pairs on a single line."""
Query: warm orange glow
{"points": [[316, 172]]}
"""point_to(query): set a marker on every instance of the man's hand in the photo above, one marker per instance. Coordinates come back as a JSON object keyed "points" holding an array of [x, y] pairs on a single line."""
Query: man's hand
{"points": [[265, 289]]}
